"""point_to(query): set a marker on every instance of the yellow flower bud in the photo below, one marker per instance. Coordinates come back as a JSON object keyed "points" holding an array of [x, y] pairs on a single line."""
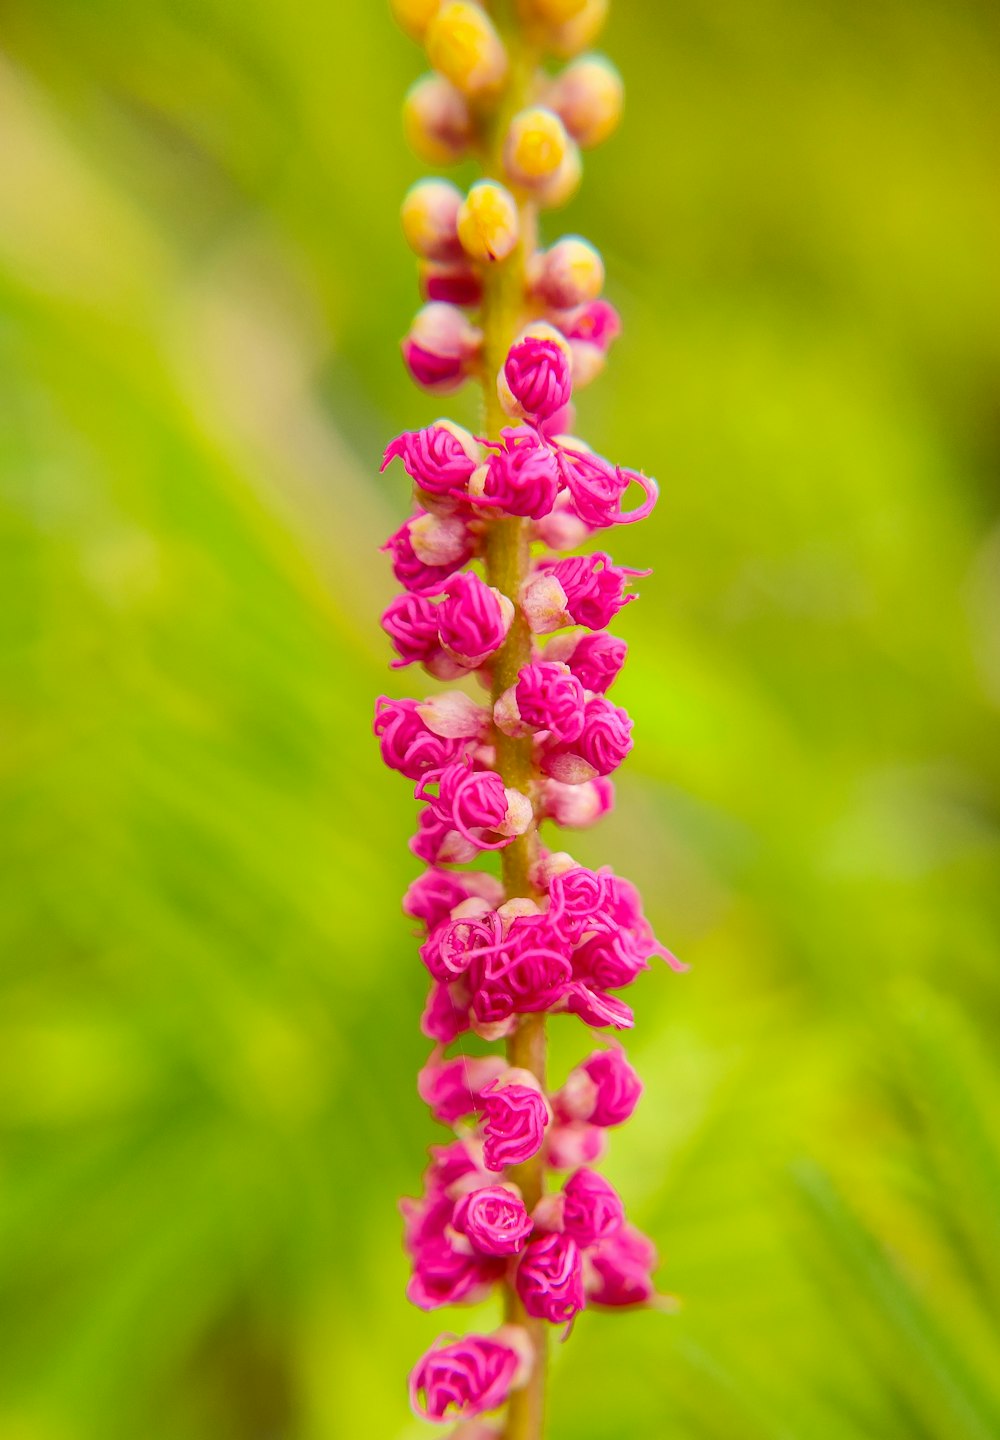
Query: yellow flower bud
{"points": [[574, 35], [488, 222], [535, 147], [463, 45], [414, 16], [589, 96], [430, 216], [569, 273], [564, 183], [556, 12], [436, 121]]}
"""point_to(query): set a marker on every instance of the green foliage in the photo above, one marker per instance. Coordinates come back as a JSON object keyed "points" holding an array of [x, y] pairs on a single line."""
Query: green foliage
{"points": [[208, 999]]}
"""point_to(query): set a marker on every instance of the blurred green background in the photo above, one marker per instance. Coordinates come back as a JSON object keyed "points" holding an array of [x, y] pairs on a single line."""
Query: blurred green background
{"points": [[209, 999]]}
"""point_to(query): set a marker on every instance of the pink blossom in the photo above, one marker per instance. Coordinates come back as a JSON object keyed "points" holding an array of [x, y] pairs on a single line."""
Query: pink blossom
{"points": [[577, 896], [515, 1114], [596, 488], [522, 478], [445, 1017], [528, 972], [550, 1278], [493, 1219], [575, 807], [593, 586], [575, 1144], [451, 948], [604, 1089], [456, 284], [535, 380], [452, 1088], [609, 960], [443, 1274], [474, 620], [619, 1269], [428, 550], [562, 529], [439, 460], [434, 894], [596, 323], [596, 659], [596, 1008], [593, 1210], [476, 802], [459, 1379], [410, 621], [546, 696], [405, 742], [605, 740], [440, 348], [439, 843]]}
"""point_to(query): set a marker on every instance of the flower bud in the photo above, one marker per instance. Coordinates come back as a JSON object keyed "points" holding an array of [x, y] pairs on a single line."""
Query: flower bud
{"points": [[574, 36], [556, 12], [430, 216], [576, 807], [440, 348], [535, 383], [488, 222], [589, 97], [563, 185], [454, 284], [569, 273], [436, 120], [460, 1379], [463, 45], [515, 1114], [474, 620], [414, 16], [493, 1218], [593, 1209], [535, 147], [550, 1278]]}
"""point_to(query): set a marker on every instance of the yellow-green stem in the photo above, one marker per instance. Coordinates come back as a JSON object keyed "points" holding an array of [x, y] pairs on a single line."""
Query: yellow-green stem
{"points": [[507, 561]]}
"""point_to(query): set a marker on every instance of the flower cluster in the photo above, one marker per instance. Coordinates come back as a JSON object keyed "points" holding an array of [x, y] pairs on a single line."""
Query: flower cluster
{"points": [[493, 603]]}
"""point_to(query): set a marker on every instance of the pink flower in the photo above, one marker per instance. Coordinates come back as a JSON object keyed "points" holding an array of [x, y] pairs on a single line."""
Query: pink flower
{"points": [[596, 488], [619, 1269], [522, 478], [410, 621], [515, 1114], [493, 1219], [455, 284], [598, 1009], [596, 660], [604, 1089], [439, 460], [428, 550], [528, 970], [576, 1144], [535, 382], [446, 1275], [445, 1016], [451, 948], [605, 740], [550, 1278], [575, 807], [405, 742], [474, 620], [472, 802], [546, 696], [459, 1379], [593, 1210], [440, 348], [452, 1088], [577, 896], [609, 960], [582, 590], [434, 894]]}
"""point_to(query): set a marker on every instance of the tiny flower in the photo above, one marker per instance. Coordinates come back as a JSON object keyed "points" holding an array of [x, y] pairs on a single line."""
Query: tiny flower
{"points": [[455, 284], [610, 960], [493, 1219], [535, 382], [590, 330], [575, 1144], [440, 348], [445, 1017], [572, 36], [569, 273], [414, 16], [463, 1378], [474, 620], [522, 478], [471, 802], [428, 550], [577, 807], [430, 214], [452, 1088], [437, 122], [445, 1274], [563, 185], [605, 740], [488, 222], [439, 460], [596, 487], [603, 1089], [527, 971], [550, 1278], [593, 1210], [596, 660], [406, 743], [433, 895], [515, 1114], [562, 529], [593, 591], [451, 948], [597, 1009], [618, 1271], [410, 621], [463, 45], [589, 97], [546, 696], [535, 147]]}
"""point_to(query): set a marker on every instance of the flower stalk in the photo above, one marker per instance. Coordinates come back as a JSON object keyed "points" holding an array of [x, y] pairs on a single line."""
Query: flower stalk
{"points": [[545, 935]]}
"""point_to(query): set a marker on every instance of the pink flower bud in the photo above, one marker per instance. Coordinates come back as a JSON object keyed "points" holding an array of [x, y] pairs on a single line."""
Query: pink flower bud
{"points": [[575, 1144], [454, 284], [594, 588], [444, 1274], [601, 747], [428, 550], [493, 1219], [445, 1016], [475, 803], [439, 460], [593, 1209], [597, 1009], [528, 970], [618, 1270], [410, 621], [434, 894], [406, 743], [546, 696], [430, 219], [437, 122], [596, 660], [610, 960], [550, 1278], [474, 620], [570, 273], [577, 807], [589, 96], [441, 347], [535, 381], [452, 1088], [562, 529], [522, 478], [604, 1089], [515, 1114], [544, 603], [596, 488], [459, 1379]]}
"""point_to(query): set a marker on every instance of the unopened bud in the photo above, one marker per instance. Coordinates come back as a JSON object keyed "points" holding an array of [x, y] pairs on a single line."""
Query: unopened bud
{"points": [[436, 120], [589, 96], [414, 16], [441, 347], [569, 273], [564, 183], [456, 284], [430, 218], [488, 223], [463, 45], [535, 147], [578, 34], [556, 12]]}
